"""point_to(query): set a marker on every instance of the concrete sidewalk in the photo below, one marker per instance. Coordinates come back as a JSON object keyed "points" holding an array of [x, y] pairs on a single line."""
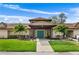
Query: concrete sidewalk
{"points": [[43, 46], [39, 53]]}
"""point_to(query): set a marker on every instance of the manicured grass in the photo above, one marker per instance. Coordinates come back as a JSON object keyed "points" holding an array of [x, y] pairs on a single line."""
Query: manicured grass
{"points": [[64, 46], [17, 45]]}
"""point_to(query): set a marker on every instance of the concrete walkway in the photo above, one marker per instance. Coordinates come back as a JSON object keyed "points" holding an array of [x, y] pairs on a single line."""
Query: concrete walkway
{"points": [[43, 46], [39, 53]]}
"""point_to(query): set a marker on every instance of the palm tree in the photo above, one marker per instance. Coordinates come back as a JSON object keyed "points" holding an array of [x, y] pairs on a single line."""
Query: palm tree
{"points": [[20, 28]]}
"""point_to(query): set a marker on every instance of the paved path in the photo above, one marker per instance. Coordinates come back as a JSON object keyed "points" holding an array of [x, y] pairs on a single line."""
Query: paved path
{"points": [[43, 46]]}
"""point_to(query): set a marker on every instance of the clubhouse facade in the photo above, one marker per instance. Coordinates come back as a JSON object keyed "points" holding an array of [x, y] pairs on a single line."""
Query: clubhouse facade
{"points": [[39, 28]]}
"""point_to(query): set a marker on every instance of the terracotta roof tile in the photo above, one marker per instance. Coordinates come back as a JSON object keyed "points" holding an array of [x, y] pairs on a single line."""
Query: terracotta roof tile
{"points": [[71, 25], [40, 18], [41, 23], [11, 25]]}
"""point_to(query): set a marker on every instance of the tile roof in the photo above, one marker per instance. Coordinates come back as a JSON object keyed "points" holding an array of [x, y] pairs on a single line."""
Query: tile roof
{"points": [[40, 19], [11, 25], [70, 25], [41, 23]]}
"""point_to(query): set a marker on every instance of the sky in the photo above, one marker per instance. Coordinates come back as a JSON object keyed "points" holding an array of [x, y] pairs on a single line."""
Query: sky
{"points": [[22, 12]]}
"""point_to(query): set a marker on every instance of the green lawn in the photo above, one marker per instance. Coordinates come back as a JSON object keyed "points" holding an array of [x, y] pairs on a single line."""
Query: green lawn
{"points": [[64, 46], [17, 45]]}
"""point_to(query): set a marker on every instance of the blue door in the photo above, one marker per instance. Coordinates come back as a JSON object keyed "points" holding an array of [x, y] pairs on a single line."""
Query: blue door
{"points": [[40, 34]]}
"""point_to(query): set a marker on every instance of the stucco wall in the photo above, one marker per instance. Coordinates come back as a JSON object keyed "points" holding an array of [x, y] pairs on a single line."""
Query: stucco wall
{"points": [[19, 33], [54, 34], [75, 32], [3, 33]]}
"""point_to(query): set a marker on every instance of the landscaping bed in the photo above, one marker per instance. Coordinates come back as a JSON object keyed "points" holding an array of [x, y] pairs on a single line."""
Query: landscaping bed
{"points": [[64, 46], [17, 45]]}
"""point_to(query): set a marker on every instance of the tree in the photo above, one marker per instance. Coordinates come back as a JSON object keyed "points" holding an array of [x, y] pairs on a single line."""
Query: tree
{"points": [[19, 28], [59, 19], [62, 17], [54, 19], [61, 28]]}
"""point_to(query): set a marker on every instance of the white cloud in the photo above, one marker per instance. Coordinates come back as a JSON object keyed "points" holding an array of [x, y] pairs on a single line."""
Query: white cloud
{"points": [[17, 7], [75, 11], [73, 15], [15, 19]]}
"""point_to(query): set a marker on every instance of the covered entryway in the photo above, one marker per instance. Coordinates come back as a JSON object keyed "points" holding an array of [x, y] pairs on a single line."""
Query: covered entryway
{"points": [[40, 34], [41, 27]]}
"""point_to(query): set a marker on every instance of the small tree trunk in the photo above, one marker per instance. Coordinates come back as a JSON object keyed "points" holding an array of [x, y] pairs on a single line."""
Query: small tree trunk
{"points": [[63, 35], [19, 36]]}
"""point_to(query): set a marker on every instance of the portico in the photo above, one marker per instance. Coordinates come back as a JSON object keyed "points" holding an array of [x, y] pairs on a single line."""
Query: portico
{"points": [[41, 28]]}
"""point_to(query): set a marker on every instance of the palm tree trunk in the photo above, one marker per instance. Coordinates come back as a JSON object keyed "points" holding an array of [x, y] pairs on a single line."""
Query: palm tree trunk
{"points": [[63, 35], [19, 36]]}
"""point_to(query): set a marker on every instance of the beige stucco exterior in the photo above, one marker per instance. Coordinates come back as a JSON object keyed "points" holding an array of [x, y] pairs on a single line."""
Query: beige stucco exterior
{"points": [[55, 34], [36, 24], [3, 33], [19, 33], [75, 32]]}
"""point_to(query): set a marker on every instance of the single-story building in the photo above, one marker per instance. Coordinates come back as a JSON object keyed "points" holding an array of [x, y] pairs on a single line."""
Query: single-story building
{"points": [[38, 27]]}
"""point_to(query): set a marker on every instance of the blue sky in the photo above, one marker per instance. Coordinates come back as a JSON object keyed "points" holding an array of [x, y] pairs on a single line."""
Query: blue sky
{"points": [[22, 12]]}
